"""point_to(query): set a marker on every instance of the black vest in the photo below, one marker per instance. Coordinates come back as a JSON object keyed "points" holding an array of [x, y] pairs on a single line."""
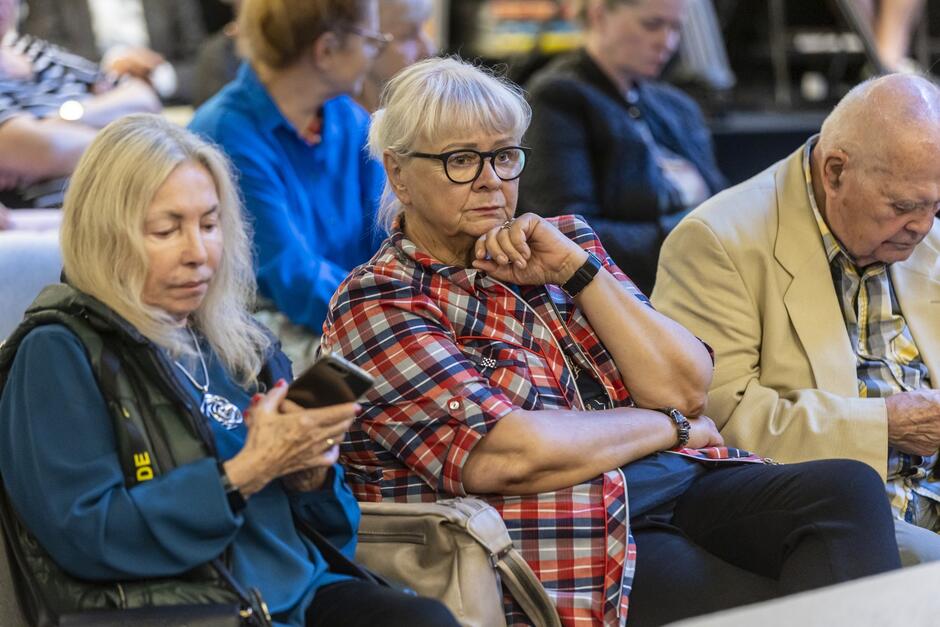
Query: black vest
{"points": [[158, 426]]}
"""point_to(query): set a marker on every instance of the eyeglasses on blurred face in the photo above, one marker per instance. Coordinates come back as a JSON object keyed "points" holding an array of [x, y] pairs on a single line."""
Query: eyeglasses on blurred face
{"points": [[465, 165], [377, 40]]}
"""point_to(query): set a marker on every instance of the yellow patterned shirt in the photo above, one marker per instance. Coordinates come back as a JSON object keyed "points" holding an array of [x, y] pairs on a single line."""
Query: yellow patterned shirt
{"points": [[886, 359]]}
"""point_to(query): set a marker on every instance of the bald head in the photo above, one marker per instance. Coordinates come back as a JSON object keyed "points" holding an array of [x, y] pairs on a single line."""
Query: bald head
{"points": [[875, 168], [885, 118]]}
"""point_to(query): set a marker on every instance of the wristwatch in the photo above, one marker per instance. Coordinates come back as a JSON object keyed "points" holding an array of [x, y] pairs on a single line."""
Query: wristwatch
{"points": [[236, 500], [582, 276], [683, 427]]}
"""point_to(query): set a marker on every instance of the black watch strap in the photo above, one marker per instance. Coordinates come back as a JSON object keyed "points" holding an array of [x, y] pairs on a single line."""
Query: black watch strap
{"points": [[683, 426], [236, 500], [582, 276]]}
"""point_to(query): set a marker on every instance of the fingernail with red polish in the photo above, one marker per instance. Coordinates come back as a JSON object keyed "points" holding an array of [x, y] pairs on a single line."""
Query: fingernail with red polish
{"points": [[255, 399], [281, 383]]}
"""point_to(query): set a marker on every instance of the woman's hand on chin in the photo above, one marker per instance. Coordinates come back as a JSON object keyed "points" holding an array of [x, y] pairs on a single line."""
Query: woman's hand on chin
{"points": [[528, 250]]}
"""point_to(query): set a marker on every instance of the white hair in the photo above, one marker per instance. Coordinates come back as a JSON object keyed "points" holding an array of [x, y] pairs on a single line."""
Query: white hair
{"points": [[438, 98]]}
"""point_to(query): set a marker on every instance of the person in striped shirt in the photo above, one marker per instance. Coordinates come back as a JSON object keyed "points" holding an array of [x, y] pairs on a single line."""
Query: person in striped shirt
{"points": [[52, 104]]}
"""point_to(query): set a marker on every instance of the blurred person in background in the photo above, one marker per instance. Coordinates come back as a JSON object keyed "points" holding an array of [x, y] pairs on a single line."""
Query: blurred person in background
{"points": [[405, 21], [51, 105], [630, 154], [892, 24], [297, 139], [218, 59], [154, 40]]}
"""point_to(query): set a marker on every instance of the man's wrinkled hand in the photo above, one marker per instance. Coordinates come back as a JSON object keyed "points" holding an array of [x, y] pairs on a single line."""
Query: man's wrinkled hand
{"points": [[914, 421]]}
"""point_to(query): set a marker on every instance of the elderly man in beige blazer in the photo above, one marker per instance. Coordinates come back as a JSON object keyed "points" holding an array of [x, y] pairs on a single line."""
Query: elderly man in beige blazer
{"points": [[817, 283]]}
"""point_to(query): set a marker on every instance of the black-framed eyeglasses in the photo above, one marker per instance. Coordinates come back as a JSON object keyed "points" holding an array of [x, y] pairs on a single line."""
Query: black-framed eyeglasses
{"points": [[465, 165], [376, 39]]}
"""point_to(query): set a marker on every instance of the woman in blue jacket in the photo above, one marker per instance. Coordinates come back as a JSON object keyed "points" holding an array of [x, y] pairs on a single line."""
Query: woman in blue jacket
{"points": [[630, 154], [296, 139]]}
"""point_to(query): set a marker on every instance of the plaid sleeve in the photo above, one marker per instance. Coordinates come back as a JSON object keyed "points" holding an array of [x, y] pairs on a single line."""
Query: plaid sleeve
{"points": [[430, 405], [577, 228]]}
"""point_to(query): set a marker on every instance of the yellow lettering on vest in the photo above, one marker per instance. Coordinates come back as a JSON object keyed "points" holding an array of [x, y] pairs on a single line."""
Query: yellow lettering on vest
{"points": [[144, 470]]}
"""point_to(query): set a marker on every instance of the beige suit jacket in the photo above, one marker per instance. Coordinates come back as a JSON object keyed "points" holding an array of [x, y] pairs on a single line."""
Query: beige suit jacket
{"points": [[747, 272]]}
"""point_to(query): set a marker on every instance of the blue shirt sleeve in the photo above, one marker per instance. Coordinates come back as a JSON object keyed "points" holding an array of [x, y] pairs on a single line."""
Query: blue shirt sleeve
{"points": [[290, 269], [59, 460], [332, 510], [310, 207]]}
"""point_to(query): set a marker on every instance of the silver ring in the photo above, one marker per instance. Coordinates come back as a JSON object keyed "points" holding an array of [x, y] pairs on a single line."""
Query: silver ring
{"points": [[330, 442], [507, 224]]}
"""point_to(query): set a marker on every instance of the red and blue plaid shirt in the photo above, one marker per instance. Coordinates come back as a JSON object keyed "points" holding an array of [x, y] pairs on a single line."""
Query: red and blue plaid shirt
{"points": [[454, 351]]}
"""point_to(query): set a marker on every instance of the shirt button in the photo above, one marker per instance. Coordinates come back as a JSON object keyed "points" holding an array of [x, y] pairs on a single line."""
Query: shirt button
{"points": [[634, 112], [453, 405]]}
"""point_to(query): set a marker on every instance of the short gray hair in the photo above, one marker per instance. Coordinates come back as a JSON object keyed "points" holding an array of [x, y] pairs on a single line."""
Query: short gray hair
{"points": [[439, 97]]}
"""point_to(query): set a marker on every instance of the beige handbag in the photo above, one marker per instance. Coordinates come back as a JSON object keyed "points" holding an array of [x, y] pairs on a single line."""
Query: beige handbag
{"points": [[457, 551]]}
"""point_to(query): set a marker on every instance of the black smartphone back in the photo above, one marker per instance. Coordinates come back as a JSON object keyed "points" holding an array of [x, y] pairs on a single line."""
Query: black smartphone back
{"points": [[330, 381]]}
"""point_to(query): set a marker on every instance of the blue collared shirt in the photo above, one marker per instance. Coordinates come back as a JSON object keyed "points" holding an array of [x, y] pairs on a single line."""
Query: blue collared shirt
{"points": [[312, 206]]}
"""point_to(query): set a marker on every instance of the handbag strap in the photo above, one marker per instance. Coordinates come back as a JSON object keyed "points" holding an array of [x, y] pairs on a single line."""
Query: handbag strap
{"points": [[487, 527], [258, 614], [526, 589], [338, 562]]}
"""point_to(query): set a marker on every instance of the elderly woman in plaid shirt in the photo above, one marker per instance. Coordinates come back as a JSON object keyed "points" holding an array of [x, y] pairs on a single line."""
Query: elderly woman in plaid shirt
{"points": [[517, 363]]}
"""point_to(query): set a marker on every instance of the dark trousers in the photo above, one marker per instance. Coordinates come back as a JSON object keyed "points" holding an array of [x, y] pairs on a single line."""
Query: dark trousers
{"points": [[364, 604], [748, 533]]}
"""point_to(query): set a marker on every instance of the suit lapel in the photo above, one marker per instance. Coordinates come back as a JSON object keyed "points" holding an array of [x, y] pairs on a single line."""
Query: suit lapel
{"points": [[917, 285], [810, 298]]}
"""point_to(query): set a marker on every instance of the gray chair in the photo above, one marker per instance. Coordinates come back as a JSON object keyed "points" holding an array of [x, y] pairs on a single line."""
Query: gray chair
{"points": [[28, 262]]}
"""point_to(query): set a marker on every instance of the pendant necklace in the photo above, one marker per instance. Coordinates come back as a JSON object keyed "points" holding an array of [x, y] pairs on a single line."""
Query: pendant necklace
{"points": [[212, 406]]}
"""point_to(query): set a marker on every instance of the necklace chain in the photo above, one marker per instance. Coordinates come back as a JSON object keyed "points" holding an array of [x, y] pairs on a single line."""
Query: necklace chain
{"points": [[205, 372]]}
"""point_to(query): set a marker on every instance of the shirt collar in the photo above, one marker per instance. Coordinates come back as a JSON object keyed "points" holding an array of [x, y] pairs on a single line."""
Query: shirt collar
{"points": [[266, 111], [466, 278], [832, 245], [258, 99]]}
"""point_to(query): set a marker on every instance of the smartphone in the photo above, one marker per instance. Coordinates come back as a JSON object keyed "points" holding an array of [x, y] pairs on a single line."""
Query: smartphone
{"points": [[330, 381]]}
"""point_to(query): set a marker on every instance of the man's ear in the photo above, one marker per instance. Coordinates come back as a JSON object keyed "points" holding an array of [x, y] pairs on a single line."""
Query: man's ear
{"points": [[834, 163], [393, 169]]}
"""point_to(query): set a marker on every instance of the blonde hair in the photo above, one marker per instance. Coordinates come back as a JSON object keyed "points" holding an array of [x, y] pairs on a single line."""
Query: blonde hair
{"points": [[276, 32], [436, 98], [102, 238]]}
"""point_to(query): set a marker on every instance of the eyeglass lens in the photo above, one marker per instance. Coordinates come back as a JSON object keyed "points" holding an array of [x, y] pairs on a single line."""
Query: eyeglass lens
{"points": [[465, 166]]}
